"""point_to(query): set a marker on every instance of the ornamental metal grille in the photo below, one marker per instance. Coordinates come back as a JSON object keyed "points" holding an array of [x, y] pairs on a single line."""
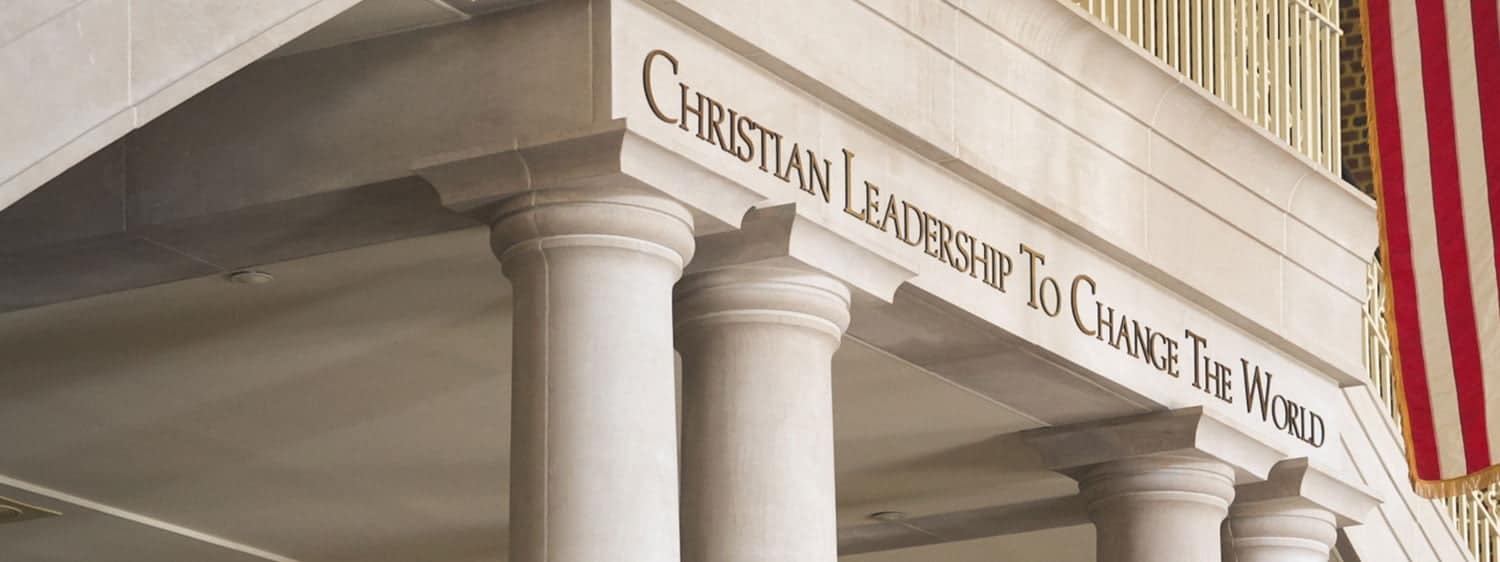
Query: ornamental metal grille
{"points": [[1476, 515], [1274, 61]]}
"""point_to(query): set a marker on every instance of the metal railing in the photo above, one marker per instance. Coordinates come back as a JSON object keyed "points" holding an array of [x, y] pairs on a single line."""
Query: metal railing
{"points": [[1274, 61], [1476, 515], [1377, 342]]}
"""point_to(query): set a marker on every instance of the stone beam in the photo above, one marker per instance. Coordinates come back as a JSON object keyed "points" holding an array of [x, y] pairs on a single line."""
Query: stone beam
{"points": [[964, 525]]}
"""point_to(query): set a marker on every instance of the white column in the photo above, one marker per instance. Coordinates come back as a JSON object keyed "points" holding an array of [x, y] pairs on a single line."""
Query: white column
{"points": [[1281, 532], [1294, 515], [1158, 508], [593, 430], [757, 344], [1157, 486]]}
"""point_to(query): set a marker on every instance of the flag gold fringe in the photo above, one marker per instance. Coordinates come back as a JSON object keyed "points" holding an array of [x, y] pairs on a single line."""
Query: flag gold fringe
{"points": [[1440, 489], [1385, 270], [1430, 489]]}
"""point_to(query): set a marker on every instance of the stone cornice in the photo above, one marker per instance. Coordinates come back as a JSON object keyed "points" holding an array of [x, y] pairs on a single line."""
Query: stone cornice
{"points": [[473, 181], [476, 181], [1300, 482], [777, 234], [1190, 432]]}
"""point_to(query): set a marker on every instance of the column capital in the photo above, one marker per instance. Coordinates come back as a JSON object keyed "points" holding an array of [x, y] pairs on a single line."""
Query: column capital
{"points": [[778, 237], [1160, 477], [772, 294], [1294, 515], [1299, 484], [1157, 507], [1186, 433], [624, 217]]}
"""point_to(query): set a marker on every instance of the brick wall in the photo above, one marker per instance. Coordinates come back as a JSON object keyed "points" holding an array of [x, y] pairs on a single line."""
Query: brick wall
{"points": [[1358, 169]]}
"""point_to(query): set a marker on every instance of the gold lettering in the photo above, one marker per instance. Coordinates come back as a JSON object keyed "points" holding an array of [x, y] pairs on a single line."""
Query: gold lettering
{"points": [[744, 136], [945, 238], [983, 256], [734, 140], [1056, 300], [1171, 357], [1127, 324], [1200, 357], [696, 111], [1162, 347], [872, 203], [1106, 323], [1038, 259], [765, 148], [646, 82], [819, 178], [794, 162], [1004, 266], [715, 121], [849, 187], [914, 234], [931, 230], [1093, 290], [890, 213], [965, 251], [1143, 340]]}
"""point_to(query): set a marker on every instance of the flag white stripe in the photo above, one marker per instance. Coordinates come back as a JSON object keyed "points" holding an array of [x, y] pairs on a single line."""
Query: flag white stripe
{"points": [[1418, 175], [1476, 201]]}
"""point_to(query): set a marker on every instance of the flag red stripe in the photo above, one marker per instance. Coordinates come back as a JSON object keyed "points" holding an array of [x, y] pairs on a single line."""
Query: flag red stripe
{"points": [[1382, 76], [1486, 23], [1453, 252]]}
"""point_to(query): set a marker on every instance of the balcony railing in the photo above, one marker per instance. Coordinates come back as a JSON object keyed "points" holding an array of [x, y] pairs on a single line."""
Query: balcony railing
{"points": [[1476, 515], [1274, 61]]}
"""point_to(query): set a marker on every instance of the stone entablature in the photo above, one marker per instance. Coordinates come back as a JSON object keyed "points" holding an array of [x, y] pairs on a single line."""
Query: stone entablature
{"points": [[1052, 287], [1228, 236]]}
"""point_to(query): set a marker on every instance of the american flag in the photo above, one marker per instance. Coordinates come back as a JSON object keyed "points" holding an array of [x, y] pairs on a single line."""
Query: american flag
{"points": [[1434, 84]]}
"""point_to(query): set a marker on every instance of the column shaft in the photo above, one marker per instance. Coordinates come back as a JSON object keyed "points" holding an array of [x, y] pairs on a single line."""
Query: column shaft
{"points": [[593, 430], [758, 478]]}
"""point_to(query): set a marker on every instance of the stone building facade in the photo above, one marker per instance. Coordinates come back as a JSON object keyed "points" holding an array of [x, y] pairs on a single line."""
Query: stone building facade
{"points": [[669, 280]]}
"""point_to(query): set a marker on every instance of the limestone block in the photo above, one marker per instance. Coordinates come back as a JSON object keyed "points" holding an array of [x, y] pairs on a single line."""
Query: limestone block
{"points": [[896, 75], [1216, 192], [20, 16], [1333, 263], [170, 38], [1322, 317], [1337, 211], [1076, 46], [1007, 66], [931, 21], [1213, 257], [1055, 167], [62, 79], [308, 116]]}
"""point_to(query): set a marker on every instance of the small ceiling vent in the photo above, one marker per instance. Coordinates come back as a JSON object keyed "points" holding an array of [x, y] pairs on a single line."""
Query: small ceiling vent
{"points": [[12, 511]]}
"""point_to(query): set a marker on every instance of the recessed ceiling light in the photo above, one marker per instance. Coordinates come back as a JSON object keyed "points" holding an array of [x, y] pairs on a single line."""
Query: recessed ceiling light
{"points": [[888, 516], [251, 277]]}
